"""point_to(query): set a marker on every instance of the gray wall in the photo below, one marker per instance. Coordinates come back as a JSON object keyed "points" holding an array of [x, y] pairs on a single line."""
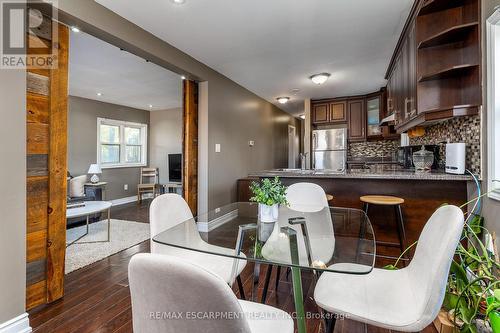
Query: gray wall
{"points": [[82, 142], [12, 194], [235, 115], [491, 208], [165, 137], [234, 119]]}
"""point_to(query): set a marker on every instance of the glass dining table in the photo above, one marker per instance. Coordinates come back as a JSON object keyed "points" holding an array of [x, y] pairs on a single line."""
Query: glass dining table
{"points": [[318, 239]]}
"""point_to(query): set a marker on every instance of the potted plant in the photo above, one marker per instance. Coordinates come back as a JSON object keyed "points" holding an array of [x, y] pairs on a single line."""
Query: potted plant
{"points": [[269, 194]]}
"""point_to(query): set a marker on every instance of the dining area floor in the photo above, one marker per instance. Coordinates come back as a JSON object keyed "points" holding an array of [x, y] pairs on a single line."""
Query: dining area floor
{"points": [[97, 297]]}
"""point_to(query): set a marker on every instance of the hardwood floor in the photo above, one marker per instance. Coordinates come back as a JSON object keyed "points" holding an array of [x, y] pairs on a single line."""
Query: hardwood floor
{"points": [[97, 297]]}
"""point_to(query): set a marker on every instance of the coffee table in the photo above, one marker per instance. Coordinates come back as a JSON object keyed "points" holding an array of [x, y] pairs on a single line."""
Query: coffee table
{"points": [[91, 207]]}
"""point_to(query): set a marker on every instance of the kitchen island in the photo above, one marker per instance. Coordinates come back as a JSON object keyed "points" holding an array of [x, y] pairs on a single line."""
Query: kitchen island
{"points": [[423, 193]]}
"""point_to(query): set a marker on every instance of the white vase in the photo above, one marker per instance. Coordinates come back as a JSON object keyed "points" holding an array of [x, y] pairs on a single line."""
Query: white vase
{"points": [[268, 214]]}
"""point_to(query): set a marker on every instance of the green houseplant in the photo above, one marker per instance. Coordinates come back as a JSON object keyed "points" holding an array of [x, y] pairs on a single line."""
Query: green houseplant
{"points": [[269, 194]]}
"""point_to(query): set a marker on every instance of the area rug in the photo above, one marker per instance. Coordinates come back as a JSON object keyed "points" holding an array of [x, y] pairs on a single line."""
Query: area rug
{"points": [[124, 234]]}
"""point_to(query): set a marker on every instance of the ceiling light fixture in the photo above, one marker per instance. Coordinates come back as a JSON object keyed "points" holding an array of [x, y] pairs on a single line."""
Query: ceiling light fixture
{"points": [[75, 29], [303, 116], [320, 78], [179, 2], [99, 94], [183, 77], [150, 106], [283, 100]]}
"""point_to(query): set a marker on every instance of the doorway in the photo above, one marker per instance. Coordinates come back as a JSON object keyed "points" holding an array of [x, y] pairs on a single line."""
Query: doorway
{"points": [[292, 147], [47, 173]]}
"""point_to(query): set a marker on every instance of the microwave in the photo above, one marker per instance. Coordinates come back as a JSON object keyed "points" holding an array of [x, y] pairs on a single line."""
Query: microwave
{"points": [[405, 155]]}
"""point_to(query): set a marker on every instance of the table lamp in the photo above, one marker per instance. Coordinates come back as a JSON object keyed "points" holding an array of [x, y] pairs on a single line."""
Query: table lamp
{"points": [[94, 170]]}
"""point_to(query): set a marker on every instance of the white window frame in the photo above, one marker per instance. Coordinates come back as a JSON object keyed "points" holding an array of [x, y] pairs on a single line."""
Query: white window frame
{"points": [[493, 103], [122, 124]]}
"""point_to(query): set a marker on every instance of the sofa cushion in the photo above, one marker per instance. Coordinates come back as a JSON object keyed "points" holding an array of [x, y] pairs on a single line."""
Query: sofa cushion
{"points": [[76, 186]]}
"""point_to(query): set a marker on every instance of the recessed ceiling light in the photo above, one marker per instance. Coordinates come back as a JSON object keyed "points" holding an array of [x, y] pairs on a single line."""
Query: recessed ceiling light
{"points": [[283, 100], [183, 77], [75, 29], [320, 78], [150, 106], [303, 116], [99, 94], [178, 2]]}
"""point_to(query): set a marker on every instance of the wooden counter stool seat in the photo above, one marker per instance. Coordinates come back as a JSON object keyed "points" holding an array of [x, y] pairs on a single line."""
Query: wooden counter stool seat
{"points": [[329, 197], [385, 200]]}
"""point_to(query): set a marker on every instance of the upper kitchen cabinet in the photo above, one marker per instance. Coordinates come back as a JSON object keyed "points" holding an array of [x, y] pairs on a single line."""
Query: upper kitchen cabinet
{"points": [[320, 113], [356, 120], [435, 71], [374, 115], [401, 87], [338, 111], [329, 112]]}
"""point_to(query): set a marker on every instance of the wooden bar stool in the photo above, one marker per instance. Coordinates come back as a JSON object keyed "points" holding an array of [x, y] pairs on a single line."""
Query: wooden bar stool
{"points": [[329, 198], [384, 200]]}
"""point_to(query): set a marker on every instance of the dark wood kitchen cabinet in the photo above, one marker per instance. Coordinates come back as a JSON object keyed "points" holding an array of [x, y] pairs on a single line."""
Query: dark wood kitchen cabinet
{"points": [[320, 113], [401, 86], [338, 112], [329, 112], [356, 120]]}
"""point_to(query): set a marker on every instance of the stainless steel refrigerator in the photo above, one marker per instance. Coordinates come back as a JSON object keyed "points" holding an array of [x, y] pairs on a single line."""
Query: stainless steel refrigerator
{"points": [[330, 149]]}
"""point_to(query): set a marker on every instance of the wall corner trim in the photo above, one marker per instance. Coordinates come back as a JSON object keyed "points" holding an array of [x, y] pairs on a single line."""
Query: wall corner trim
{"points": [[19, 324], [121, 201], [209, 225]]}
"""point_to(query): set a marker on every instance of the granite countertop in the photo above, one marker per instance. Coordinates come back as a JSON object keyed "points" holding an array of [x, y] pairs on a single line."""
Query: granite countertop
{"points": [[362, 174]]}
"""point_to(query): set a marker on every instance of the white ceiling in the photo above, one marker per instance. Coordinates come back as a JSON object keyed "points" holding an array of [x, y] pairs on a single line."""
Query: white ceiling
{"points": [[272, 47], [122, 78]]}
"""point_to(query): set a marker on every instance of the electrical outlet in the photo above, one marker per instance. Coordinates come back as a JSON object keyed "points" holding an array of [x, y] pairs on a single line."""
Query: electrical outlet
{"points": [[251, 143], [125, 187], [217, 210]]}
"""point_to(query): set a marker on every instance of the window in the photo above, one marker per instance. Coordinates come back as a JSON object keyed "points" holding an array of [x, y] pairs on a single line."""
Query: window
{"points": [[493, 103], [121, 144]]}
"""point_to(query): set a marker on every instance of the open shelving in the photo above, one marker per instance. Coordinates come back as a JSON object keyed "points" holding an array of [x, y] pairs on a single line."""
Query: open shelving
{"points": [[432, 6], [447, 72], [448, 60], [448, 35]]}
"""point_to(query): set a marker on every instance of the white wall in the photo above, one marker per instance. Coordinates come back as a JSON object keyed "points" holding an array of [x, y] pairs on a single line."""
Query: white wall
{"points": [[12, 194], [491, 207], [165, 137]]}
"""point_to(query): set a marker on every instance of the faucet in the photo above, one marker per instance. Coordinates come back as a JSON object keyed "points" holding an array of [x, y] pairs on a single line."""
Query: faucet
{"points": [[303, 160]]}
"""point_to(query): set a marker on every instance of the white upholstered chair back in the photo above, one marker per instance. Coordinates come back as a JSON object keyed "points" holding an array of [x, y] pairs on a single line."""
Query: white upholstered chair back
{"points": [[306, 197], [429, 268], [166, 211], [162, 285]]}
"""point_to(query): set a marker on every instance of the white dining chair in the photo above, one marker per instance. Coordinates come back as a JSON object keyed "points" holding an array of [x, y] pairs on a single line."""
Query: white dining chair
{"points": [[405, 300], [167, 211], [309, 198], [306, 197], [171, 295]]}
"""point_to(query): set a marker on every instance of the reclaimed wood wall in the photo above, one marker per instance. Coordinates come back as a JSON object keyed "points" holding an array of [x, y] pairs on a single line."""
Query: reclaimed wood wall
{"points": [[190, 144], [46, 112]]}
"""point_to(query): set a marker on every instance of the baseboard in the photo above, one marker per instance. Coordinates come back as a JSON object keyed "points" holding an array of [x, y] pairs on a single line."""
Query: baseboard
{"points": [[19, 324], [206, 226], [123, 201]]}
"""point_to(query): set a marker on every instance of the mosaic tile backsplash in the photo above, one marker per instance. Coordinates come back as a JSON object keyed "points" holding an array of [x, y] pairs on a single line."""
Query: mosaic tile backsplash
{"points": [[460, 129], [382, 148]]}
